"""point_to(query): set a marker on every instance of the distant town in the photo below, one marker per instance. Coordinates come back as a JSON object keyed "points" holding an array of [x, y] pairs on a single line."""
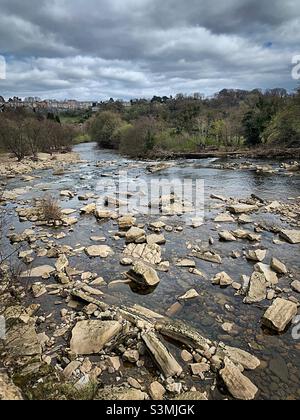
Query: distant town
{"points": [[51, 105]]}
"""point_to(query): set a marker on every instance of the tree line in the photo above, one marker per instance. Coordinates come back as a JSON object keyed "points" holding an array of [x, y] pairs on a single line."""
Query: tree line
{"points": [[230, 119], [23, 133]]}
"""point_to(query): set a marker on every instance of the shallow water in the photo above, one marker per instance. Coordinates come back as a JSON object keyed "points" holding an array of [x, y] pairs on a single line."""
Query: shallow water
{"points": [[279, 376]]}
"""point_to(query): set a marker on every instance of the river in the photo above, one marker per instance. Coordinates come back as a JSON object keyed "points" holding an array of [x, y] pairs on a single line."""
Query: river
{"points": [[279, 374]]}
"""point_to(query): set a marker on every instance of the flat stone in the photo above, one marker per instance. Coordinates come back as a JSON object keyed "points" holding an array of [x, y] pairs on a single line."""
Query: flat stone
{"points": [[191, 294], [88, 209], [278, 266], [243, 358], [199, 368], [62, 263], [226, 236], [90, 337], [102, 251], [9, 391], [156, 391], [42, 271], [186, 263], [270, 275], [156, 239], [186, 356], [238, 385], [280, 314], [22, 340], [257, 291], [164, 359], [242, 208], [296, 286], [292, 236], [224, 218]]}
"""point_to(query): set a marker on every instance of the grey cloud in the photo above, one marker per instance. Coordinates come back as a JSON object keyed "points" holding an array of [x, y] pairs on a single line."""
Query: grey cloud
{"points": [[125, 48]]}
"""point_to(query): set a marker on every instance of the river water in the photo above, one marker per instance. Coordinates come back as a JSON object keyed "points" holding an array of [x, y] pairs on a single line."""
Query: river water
{"points": [[279, 375]]}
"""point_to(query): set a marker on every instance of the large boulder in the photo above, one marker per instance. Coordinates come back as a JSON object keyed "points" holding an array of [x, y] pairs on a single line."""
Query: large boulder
{"points": [[90, 337], [280, 314]]}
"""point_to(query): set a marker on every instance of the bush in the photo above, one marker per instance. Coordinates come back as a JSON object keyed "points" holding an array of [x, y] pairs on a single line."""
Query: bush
{"points": [[50, 209]]}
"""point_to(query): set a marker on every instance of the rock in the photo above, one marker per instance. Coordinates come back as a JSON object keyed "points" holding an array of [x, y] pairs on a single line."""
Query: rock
{"points": [[8, 391], [280, 314], [179, 331], [98, 239], [114, 362], [120, 394], [135, 235], [256, 255], [131, 356], [222, 279], [67, 193], [22, 340], [69, 221], [257, 291], [67, 212], [192, 396], [199, 368], [88, 209], [126, 261], [126, 222], [157, 226], [197, 222], [245, 234], [90, 337], [134, 383], [156, 239], [218, 197], [185, 263], [62, 263], [209, 256], [244, 219], [38, 290], [105, 214], [70, 369], [226, 236], [292, 236], [42, 271], [238, 385], [296, 286], [102, 251], [242, 208], [186, 356], [156, 391], [224, 218], [278, 266], [143, 275], [149, 253], [242, 358], [270, 275], [164, 359], [191, 294]]}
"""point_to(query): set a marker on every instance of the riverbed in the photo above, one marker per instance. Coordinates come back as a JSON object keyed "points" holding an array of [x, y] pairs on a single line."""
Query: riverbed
{"points": [[278, 377]]}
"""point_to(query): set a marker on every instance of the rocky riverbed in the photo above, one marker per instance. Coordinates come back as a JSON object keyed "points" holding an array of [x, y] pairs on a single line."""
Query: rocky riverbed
{"points": [[103, 304]]}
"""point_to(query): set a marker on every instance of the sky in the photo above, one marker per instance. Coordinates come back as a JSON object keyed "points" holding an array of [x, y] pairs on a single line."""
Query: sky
{"points": [[97, 49]]}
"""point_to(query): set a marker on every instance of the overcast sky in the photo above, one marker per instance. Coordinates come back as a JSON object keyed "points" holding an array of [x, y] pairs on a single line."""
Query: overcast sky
{"points": [[96, 49]]}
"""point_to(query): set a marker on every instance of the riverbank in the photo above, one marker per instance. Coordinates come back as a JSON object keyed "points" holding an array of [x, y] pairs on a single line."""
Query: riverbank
{"points": [[183, 307]]}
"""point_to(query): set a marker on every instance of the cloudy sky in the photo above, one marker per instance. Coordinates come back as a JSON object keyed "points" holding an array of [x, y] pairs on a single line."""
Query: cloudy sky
{"points": [[96, 49]]}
